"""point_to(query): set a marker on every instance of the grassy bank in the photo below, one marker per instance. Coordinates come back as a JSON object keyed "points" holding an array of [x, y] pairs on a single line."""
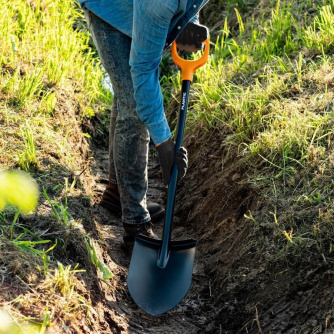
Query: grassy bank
{"points": [[47, 67], [50, 84], [269, 84]]}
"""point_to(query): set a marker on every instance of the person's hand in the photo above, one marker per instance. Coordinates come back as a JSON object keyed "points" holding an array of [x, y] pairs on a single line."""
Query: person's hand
{"points": [[192, 37], [167, 157]]}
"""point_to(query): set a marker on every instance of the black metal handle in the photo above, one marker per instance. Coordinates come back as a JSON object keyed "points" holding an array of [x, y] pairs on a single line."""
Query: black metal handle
{"points": [[166, 236]]}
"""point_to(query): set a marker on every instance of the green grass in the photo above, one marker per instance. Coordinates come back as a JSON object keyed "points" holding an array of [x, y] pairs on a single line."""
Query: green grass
{"points": [[249, 80], [41, 70], [320, 35], [28, 159]]}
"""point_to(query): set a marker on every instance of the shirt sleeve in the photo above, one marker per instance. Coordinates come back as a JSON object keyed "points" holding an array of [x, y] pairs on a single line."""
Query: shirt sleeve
{"points": [[195, 19], [151, 20]]}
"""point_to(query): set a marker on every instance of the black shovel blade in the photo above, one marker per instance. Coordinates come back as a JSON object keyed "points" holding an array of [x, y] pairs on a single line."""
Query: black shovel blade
{"points": [[157, 290]]}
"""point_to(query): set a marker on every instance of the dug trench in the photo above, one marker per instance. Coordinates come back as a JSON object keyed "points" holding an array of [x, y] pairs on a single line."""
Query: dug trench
{"points": [[210, 207], [235, 288]]}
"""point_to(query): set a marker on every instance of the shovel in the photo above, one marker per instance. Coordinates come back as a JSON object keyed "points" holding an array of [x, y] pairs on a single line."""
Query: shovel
{"points": [[160, 270]]}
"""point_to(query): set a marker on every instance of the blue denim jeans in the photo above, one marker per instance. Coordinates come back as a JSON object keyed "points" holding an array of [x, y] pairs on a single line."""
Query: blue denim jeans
{"points": [[129, 137]]}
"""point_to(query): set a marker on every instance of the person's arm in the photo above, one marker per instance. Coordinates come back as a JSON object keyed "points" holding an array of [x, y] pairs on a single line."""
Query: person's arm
{"points": [[151, 19]]}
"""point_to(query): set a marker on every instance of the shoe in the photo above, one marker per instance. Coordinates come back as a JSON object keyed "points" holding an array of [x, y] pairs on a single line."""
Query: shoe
{"points": [[111, 202], [132, 230]]}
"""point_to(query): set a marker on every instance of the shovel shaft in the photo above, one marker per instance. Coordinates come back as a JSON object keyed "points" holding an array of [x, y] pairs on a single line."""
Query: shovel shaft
{"points": [[188, 68], [182, 114], [163, 257]]}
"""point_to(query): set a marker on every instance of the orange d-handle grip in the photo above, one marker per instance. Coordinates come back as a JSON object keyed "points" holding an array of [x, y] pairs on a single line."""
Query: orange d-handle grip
{"points": [[188, 67]]}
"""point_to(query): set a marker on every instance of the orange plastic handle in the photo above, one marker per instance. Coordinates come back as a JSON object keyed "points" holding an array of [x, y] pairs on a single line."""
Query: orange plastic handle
{"points": [[189, 67]]}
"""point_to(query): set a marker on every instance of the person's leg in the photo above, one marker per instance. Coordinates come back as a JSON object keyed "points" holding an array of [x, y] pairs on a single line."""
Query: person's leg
{"points": [[129, 137], [111, 198]]}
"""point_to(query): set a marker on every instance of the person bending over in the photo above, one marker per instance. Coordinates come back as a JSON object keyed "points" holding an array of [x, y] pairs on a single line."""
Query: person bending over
{"points": [[130, 37]]}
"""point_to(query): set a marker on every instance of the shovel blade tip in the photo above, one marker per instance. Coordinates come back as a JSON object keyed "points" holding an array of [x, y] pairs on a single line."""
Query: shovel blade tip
{"points": [[157, 290]]}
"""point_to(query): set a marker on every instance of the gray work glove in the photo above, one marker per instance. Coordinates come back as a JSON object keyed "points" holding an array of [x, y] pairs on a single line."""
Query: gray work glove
{"points": [[167, 156], [192, 36]]}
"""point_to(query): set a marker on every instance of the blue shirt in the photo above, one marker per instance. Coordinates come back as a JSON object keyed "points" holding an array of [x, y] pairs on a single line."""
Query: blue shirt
{"points": [[153, 25]]}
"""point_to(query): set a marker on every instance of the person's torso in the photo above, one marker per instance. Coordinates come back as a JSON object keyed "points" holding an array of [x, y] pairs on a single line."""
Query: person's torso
{"points": [[119, 13]]}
